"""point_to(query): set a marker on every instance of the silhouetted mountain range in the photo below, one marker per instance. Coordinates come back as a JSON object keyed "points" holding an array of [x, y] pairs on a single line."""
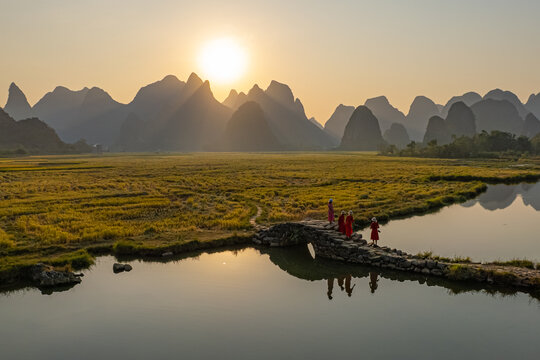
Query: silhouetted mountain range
{"points": [[468, 99], [421, 110], [459, 122], [248, 130], [498, 94], [174, 115], [385, 112], [287, 119], [196, 124], [335, 125], [497, 115], [33, 136]]}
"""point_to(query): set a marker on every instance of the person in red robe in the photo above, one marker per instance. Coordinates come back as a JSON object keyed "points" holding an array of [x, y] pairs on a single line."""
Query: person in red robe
{"points": [[341, 222], [349, 224], [330, 211], [374, 231]]}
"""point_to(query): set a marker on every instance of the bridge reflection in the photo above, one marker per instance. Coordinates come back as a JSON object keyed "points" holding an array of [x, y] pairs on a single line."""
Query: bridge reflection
{"points": [[297, 262]]}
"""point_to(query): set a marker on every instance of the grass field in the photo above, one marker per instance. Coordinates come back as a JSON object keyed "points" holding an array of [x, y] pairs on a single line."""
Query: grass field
{"points": [[55, 208]]}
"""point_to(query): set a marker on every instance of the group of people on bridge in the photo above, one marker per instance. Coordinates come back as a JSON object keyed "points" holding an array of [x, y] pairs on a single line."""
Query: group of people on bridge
{"points": [[345, 223]]}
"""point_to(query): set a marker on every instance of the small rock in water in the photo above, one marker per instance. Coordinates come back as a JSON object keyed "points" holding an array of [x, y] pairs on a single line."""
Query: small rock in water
{"points": [[168, 253], [121, 267], [118, 267]]}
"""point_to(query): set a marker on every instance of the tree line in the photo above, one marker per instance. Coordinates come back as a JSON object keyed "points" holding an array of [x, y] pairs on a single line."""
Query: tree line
{"points": [[494, 144]]}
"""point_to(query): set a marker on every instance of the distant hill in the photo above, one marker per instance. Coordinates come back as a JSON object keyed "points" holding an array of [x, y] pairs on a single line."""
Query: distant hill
{"points": [[17, 105], [193, 119], [60, 107], [397, 135], [362, 132], [91, 114], [335, 125], [461, 120], [174, 115], [33, 136], [287, 119], [533, 104], [468, 99], [497, 115], [248, 130], [151, 98], [421, 110], [283, 94], [385, 112], [498, 94], [235, 99], [531, 126], [195, 125], [437, 130], [132, 135]]}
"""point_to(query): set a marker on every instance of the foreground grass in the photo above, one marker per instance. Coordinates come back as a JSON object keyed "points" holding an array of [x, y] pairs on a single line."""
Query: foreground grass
{"points": [[51, 208]]}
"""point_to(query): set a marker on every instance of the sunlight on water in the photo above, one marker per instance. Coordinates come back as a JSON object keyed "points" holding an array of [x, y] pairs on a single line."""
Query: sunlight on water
{"points": [[275, 305]]}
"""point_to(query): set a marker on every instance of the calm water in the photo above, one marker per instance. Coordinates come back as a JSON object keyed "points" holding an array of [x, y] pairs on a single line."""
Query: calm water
{"points": [[283, 304], [502, 223], [278, 305]]}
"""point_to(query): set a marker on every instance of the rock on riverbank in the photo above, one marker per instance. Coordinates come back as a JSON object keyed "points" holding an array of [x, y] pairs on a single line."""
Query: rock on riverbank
{"points": [[46, 275]]}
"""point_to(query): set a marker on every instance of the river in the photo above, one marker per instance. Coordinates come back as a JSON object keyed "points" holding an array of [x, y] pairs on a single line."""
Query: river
{"points": [[284, 304]]}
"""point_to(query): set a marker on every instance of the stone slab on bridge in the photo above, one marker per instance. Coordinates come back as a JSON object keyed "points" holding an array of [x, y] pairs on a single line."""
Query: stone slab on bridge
{"points": [[329, 243]]}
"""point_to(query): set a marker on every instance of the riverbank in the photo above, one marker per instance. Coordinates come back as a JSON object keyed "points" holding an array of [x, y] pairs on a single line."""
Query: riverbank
{"points": [[65, 213]]}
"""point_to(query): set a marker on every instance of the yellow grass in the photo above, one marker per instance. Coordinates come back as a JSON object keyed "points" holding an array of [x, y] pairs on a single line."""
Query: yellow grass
{"points": [[75, 202]]}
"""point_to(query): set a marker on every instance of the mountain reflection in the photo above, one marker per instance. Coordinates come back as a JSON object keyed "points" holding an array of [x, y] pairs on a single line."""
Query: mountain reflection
{"points": [[498, 197]]}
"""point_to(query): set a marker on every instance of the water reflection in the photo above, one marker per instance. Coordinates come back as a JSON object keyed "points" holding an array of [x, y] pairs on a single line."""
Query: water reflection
{"points": [[297, 261], [498, 197], [500, 224], [248, 304], [373, 280], [345, 280]]}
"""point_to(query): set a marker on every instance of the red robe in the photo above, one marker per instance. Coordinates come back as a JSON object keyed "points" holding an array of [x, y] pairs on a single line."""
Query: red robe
{"points": [[374, 230], [341, 224], [348, 225], [330, 212]]}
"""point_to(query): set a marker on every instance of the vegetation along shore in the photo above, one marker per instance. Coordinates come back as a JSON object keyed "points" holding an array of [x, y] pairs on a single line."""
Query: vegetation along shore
{"points": [[64, 210]]}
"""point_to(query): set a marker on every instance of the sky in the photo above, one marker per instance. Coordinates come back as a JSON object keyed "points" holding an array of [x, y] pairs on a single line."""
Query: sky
{"points": [[328, 52]]}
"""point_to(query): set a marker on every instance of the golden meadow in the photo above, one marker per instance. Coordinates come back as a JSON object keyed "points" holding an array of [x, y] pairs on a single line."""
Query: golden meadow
{"points": [[54, 208]]}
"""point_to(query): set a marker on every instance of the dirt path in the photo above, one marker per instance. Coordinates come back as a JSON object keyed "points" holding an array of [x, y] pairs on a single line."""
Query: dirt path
{"points": [[253, 219]]}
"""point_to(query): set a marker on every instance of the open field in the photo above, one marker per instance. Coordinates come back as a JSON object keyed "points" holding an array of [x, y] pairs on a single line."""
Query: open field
{"points": [[56, 208]]}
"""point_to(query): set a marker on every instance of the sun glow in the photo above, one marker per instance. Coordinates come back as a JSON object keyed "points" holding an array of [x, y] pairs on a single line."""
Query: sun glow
{"points": [[223, 60]]}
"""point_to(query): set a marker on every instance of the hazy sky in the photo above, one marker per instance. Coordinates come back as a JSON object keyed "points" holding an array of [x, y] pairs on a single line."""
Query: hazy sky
{"points": [[329, 52]]}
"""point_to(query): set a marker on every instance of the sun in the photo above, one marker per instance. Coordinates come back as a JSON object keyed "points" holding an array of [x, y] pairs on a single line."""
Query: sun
{"points": [[223, 60]]}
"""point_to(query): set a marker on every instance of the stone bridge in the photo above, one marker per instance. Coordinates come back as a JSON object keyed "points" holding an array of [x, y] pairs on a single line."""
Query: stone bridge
{"points": [[328, 243]]}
